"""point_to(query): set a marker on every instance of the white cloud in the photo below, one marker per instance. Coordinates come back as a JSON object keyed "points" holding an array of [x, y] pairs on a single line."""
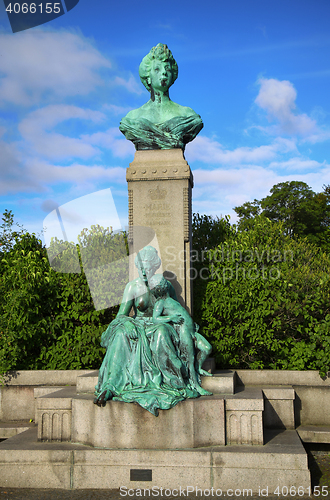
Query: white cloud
{"points": [[298, 164], [19, 174], [278, 99], [37, 62], [12, 175], [47, 173], [131, 84], [121, 147], [218, 191], [117, 110], [34, 129], [210, 151]]}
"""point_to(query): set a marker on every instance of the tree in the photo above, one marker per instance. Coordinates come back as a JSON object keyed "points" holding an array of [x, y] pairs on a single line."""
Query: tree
{"points": [[248, 210], [7, 235], [290, 202], [303, 212]]}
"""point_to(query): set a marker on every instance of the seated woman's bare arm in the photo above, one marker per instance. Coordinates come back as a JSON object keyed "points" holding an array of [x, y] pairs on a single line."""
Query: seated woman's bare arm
{"points": [[128, 299]]}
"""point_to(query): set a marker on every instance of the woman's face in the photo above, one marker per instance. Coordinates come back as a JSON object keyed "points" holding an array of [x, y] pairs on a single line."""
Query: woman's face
{"points": [[146, 270], [161, 76]]}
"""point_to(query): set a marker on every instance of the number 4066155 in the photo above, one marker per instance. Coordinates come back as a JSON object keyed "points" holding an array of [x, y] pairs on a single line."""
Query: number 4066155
{"points": [[33, 8]]}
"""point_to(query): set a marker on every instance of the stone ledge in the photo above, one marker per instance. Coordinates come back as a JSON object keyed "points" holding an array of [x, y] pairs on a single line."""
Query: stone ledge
{"points": [[58, 400], [281, 377], [281, 392], [10, 429], [44, 391], [314, 434], [43, 377], [250, 399], [220, 383]]}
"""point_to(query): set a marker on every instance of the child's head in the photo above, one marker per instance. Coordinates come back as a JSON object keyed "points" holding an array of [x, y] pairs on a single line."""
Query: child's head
{"points": [[161, 289]]}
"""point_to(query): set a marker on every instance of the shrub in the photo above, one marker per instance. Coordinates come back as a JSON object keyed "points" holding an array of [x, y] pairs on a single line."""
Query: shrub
{"points": [[266, 303], [47, 319]]}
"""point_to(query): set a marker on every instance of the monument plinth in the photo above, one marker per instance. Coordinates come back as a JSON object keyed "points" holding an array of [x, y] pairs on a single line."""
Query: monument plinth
{"points": [[159, 192]]}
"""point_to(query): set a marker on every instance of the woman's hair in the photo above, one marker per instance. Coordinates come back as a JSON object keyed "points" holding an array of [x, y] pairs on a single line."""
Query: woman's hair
{"points": [[148, 254], [161, 53]]}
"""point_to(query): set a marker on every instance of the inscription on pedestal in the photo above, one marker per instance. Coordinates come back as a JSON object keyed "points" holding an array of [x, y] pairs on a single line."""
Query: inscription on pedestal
{"points": [[158, 211]]}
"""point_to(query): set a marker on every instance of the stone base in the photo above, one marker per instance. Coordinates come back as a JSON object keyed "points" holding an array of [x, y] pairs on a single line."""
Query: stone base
{"points": [[190, 424], [282, 461]]}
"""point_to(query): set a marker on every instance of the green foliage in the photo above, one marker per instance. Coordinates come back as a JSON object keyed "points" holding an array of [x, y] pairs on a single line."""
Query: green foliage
{"points": [[267, 301], [303, 212], [207, 233], [47, 319]]}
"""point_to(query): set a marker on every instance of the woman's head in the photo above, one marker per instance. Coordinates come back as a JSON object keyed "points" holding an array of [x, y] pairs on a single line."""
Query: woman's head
{"points": [[158, 69], [147, 261]]}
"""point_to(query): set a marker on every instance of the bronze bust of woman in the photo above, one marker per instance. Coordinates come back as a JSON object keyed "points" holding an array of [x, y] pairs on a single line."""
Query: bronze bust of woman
{"points": [[160, 123]]}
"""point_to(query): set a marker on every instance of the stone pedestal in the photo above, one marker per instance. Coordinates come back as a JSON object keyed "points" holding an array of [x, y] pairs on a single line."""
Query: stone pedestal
{"points": [[192, 423], [159, 197]]}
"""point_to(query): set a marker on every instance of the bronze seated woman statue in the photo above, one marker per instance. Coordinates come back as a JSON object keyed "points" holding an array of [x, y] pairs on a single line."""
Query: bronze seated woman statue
{"points": [[143, 362]]}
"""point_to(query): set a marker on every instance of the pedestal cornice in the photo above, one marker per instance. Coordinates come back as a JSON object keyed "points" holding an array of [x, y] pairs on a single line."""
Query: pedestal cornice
{"points": [[160, 164]]}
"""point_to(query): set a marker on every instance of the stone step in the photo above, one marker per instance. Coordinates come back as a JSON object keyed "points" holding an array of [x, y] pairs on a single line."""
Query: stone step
{"points": [[282, 461], [12, 428], [314, 433], [221, 382]]}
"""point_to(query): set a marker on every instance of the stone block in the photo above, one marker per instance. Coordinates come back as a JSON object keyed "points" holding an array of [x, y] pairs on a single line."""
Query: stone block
{"points": [[35, 468], [54, 425], [9, 429], [222, 382], [244, 427], [279, 407], [168, 468], [86, 383], [244, 424], [314, 433], [54, 415], [43, 377], [45, 391], [191, 423], [312, 405], [17, 403]]}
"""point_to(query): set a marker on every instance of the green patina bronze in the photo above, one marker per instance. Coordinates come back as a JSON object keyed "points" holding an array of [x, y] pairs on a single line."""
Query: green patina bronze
{"points": [[160, 123], [155, 357]]}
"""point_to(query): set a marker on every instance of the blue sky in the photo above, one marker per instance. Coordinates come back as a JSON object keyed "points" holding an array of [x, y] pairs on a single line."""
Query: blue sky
{"points": [[258, 73]]}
